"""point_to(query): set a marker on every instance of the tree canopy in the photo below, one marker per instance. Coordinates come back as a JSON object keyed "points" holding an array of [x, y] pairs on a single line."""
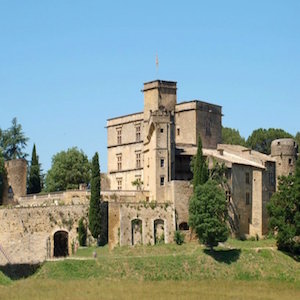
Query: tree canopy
{"points": [[297, 138], [2, 174], [261, 139], [69, 169], [34, 178], [232, 137], [208, 214], [13, 141], [284, 211]]}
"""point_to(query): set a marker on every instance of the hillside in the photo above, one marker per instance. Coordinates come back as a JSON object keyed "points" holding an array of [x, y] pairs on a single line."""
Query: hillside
{"points": [[247, 270]]}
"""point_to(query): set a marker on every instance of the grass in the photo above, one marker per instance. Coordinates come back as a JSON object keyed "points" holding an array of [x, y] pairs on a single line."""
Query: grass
{"points": [[98, 289], [237, 270]]}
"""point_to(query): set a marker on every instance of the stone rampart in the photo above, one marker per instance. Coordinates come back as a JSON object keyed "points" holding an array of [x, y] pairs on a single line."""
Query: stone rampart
{"points": [[27, 233]]}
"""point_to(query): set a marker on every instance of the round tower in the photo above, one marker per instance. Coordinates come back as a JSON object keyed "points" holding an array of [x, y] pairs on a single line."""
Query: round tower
{"points": [[285, 153], [15, 181]]}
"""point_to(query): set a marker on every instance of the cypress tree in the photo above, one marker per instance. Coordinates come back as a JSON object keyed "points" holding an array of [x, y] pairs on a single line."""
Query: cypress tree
{"points": [[2, 175], [82, 233], [208, 214], [34, 180], [95, 204], [200, 169]]}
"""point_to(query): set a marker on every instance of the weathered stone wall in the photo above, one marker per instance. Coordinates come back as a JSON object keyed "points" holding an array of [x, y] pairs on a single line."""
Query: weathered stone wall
{"points": [[238, 197], [182, 191], [209, 124], [145, 223], [16, 174], [255, 228], [157, 94], [285, 153], [185, 122], [26, 233]]}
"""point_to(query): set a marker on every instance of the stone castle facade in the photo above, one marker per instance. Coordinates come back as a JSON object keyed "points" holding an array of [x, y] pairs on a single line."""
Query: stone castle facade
{"points": [[155, 148], [148, 183]]}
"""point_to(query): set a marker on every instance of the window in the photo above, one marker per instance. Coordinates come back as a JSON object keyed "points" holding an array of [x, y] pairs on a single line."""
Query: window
{"points": [[228, 196], [119, 136], [138, 159], [138, 133], [290, 161], [178, 131], [119, 183], [162, 180], [247, 198], [119, 162], [162, 162], [247, 178], [161, 130], [138, 182]]}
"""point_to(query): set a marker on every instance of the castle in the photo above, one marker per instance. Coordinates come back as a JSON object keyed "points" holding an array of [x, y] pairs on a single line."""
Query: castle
{"points": [[149, 181]]}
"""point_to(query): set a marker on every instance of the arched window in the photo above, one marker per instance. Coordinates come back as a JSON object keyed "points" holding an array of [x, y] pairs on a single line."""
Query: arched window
{"points": [[184, 226]]}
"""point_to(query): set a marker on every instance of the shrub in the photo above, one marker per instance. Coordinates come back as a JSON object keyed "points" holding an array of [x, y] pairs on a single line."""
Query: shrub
{"points": [[82, 233], [178, 237]]}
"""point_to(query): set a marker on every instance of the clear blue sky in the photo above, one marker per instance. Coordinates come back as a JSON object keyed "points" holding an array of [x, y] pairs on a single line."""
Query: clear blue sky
{"points": [[67, 66]]}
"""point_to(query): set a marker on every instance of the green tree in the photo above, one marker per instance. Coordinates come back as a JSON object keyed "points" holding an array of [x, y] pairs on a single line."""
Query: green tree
{"points": [[2, 175], [261, 139], [232, 137], [297, 138], [208, 214], [69, 169], [82, 232], [34, 178], [95, 203], [13, 141], [284, 212], [199, 167]]}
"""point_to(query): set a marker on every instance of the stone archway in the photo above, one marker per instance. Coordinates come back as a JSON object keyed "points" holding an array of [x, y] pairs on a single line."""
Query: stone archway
{"points": [[61, 243], [136, 232], [184, 226], [159, 231]]}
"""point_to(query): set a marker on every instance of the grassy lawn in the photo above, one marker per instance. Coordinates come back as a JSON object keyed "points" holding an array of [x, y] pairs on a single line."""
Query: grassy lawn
{"points": [[236, 270]]}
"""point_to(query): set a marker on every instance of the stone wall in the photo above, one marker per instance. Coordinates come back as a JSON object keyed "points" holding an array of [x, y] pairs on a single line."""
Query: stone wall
{"points": [[141, 223], [181, 193], [27, 233], [285, 153], [15, 180]]}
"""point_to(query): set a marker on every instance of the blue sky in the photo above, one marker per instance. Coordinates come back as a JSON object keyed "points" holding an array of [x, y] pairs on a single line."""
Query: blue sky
{"points": [[67, 66]]}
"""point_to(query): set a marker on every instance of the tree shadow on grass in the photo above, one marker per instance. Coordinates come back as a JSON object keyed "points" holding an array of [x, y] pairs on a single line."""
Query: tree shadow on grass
{"points": [[295, 257], [227, 256], [19, 271]]}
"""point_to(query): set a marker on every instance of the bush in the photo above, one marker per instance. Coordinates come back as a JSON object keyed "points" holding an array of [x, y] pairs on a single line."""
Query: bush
{"points": [[178, 237], [82, 233]]}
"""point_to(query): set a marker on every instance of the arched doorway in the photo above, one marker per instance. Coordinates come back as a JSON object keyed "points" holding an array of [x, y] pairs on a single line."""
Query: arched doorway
{"points": [[136, 232], [184, 226], [61, 242], [159, 231]]}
